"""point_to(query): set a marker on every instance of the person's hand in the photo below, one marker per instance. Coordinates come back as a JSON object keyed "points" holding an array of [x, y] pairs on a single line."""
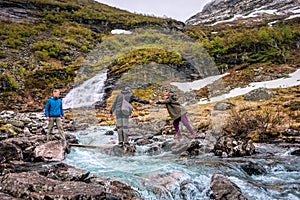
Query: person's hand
{"points": [[111, 116], [63, 118], [152, 102], [47, 118]]}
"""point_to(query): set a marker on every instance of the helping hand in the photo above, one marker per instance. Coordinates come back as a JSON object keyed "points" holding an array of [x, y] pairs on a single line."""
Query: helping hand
{"points": [[152, 102]]}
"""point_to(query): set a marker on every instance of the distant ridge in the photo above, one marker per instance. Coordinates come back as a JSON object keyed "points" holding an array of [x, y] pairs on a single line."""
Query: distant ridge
{"points": [[228, 11]]}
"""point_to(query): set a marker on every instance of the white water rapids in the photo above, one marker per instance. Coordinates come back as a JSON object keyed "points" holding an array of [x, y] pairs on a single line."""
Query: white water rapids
{"points": [[166, 176]]}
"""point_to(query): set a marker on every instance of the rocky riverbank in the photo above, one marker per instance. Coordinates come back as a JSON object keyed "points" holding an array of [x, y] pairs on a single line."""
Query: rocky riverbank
{"points": [[31, 167]]}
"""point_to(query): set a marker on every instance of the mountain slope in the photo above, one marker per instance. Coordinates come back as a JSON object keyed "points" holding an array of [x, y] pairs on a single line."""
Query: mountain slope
{"points": [[44, 42], [249, 11]]}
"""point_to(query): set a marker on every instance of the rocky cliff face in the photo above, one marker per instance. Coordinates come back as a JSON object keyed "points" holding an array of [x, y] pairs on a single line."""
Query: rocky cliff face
{"points": [[220, 11]]}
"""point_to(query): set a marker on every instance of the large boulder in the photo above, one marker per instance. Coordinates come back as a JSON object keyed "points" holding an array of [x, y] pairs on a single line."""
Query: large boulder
{"points": [[52, 151], [229, 147], [260, 94], [62, 181], [222, 188], [10, 152], [4, 196]]}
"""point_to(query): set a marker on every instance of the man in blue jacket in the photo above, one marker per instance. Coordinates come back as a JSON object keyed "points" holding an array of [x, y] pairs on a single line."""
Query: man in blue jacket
{"points": [[54, 113]]}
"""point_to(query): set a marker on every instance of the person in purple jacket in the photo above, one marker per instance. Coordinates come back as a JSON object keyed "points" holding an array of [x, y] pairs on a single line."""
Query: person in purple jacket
{"points": [[54, 114]]}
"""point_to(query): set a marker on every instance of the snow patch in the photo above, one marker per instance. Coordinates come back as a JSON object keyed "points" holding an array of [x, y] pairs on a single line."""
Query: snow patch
{"points": [[120, 31]]}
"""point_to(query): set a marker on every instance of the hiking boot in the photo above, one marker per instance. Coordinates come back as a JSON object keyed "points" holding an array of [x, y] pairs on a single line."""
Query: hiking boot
{"points": [[177, 137]]}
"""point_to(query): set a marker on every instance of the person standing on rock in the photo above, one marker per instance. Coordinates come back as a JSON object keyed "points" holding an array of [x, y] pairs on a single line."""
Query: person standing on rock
{"points": [[177, 113], [54, 114], [123, 117]]}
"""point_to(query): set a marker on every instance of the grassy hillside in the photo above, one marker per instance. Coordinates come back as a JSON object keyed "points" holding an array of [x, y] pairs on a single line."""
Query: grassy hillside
{"points": [[44, 43], [235, 45]]}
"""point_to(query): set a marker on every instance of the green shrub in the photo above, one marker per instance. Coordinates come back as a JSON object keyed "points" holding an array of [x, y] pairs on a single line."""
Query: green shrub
{"points": [[84, 49], [2, 54], [67, 59], [42, 55], [12, 81], [54, 49]]}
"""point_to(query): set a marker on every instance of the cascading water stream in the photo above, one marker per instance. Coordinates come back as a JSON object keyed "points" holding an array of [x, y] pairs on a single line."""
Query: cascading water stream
{"points": [[87, 93]]}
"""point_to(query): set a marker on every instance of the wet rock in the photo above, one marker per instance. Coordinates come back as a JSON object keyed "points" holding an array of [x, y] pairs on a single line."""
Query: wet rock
{"points": [[143, 141], [61, 181], [193, 149], [183, 147], [252, 168], [154, 150], [115, 150], [296, 152], [33, 148], [64, 172], [51, 151], [4, 196], [259, 94], [230, 147], [6, 168], [223, 189], [267, 137], [109, 132], [163, 183], [31, 185], [9, 152]]}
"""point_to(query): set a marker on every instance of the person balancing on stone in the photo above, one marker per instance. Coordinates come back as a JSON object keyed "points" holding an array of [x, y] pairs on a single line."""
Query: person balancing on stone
{"points": [[122, 101], [54, 113], [177, 113]]}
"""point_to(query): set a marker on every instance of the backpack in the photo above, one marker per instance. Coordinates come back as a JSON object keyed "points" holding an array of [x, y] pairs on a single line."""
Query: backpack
{"points": [[126, 107]]}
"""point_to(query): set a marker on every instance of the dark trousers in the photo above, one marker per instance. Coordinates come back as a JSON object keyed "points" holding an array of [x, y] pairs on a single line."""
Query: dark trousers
{"points": [[122, 126]]}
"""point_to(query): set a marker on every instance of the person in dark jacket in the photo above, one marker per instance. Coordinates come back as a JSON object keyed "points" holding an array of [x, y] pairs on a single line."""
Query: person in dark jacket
{"points": [[123, 119], [54, 114], [177, 114]]}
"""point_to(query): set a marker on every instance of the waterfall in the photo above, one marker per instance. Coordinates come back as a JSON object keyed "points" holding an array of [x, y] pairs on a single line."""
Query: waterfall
{"points": [[86, 94]]}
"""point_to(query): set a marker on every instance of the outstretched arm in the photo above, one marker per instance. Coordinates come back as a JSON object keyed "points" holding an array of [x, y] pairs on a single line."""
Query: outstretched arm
{"points": [[167, 101], [136, 99]]}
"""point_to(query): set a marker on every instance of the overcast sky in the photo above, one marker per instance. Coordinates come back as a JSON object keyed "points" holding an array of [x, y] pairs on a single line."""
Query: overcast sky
{"points": [[177, 9]]}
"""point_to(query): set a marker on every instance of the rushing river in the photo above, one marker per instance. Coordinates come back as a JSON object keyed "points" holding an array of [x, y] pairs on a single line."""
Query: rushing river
{"points": [[167, 176]]}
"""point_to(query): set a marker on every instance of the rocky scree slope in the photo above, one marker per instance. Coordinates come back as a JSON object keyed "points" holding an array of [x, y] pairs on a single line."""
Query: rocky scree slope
{"points": [[249, 11]]}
